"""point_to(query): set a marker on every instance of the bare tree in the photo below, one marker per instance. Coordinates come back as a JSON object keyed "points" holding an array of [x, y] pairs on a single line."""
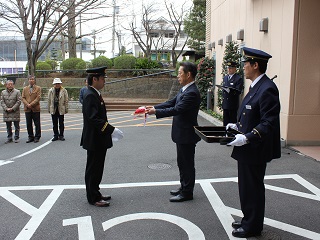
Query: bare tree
{"points": [[143, 36], [177, 22], [152, 36], [41, 21]]}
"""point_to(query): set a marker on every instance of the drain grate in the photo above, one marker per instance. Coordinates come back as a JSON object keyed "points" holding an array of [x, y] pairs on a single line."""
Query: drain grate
{"points": [[159, 166]]}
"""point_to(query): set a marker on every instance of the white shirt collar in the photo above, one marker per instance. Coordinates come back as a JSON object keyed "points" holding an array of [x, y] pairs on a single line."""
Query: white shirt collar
{"points": [[99, 93], [185, 86], [256, 80]]}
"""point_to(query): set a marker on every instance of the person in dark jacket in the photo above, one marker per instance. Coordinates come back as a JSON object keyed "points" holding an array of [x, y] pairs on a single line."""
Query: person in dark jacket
{"points": [[231, 89], [184, 108], [259, 143], [97, 136]]}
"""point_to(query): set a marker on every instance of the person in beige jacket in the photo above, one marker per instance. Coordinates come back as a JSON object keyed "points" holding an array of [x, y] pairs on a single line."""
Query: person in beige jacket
{"points": [[57, 107], [31, 95]]}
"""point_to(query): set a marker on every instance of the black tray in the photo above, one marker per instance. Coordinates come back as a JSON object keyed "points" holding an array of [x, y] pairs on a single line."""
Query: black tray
{"points": [[215, 134]]}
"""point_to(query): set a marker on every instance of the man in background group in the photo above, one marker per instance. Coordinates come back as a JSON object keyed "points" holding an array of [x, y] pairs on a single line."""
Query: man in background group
{"points": [[10, 102], [58, 107], [31, 95]]}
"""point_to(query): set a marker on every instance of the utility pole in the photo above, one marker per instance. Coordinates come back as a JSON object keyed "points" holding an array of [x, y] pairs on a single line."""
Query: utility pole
{"points": [[113, 25]]}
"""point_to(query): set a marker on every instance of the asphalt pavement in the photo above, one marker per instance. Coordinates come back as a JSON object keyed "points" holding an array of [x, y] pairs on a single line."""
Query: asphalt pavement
{"points": [[42, 192]]}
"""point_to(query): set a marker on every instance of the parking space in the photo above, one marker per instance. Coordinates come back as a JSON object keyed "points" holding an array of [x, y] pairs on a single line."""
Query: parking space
{"points": [[42, 192]]}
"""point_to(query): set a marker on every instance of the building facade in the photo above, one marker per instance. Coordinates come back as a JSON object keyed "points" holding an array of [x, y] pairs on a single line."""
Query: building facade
{"points": [[13, 53], [289, 31]]}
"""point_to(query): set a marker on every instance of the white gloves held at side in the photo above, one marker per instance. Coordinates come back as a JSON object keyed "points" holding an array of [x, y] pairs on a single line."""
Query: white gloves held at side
{"points": [[240, 140], [116, 135]]}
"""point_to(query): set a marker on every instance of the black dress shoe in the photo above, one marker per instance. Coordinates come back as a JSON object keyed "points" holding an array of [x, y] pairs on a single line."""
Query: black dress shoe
{"points": [[175, 192], [236, 224], [102, 203], [181, 198], [105, 198], [61, 138], [54, 139], [36, 140], [30, 140], [241, 233]]}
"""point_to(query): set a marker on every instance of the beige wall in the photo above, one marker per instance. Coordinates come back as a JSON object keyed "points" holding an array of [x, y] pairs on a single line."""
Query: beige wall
{"points": [[293, 41]]}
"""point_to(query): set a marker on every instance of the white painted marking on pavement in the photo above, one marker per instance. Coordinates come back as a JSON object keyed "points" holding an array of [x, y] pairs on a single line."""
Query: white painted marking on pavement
{"points": [[283, 226], [193, 231], [31, 151], [3, 162], [36, 219], [18, 202], [85, 228], [218, 206]]}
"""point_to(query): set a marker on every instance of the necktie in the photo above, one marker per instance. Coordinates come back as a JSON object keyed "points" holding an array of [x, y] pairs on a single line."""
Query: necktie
{"points": [[101, 99]]}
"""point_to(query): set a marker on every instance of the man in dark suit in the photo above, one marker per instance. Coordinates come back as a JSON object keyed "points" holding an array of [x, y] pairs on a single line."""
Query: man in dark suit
{"points": [[259, 122], [184, 108], [232, 86], [97, 135]]}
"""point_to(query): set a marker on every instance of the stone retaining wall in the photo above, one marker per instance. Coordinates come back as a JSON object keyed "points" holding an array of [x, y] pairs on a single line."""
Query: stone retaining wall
{"points": [[149, 87]]}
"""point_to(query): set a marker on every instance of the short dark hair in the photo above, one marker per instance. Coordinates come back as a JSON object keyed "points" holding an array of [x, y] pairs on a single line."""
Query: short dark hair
{"points": [[262, 65], [90, 78], [189, 67]]}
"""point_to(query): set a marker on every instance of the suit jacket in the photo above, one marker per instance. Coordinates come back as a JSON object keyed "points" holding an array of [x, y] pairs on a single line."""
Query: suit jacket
{"points": [[96, 133], [184, 108], [235, 84], [259, 120], [31, 98]]}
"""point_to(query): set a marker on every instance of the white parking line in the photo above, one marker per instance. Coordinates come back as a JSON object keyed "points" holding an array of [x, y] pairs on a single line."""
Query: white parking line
{"points": [[223, 212]]}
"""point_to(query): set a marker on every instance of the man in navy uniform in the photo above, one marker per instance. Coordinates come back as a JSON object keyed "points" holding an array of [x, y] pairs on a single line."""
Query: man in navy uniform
{"points": [[232, 86], [259, 122], [184, 108], [97, 136]]}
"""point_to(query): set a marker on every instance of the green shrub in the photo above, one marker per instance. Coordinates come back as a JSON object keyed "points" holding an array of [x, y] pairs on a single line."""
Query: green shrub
{"points": [[42, 66], [52, 63], [101, 61], [71, 64], [204, 79], [125, 62]]}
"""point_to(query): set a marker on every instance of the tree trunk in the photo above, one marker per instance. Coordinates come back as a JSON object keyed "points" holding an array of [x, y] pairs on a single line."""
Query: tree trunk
{"points": [[72, 43]]}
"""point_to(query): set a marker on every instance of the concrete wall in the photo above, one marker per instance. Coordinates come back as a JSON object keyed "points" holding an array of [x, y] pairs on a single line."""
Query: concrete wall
{"points": [[293, 41]]}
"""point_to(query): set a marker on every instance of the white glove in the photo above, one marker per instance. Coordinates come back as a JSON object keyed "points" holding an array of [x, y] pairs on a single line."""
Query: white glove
{"points": [[116, 135], [232, 126], [239, 141], [226, 89]]}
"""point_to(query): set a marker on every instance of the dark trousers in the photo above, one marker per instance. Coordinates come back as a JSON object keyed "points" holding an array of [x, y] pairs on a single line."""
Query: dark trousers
{"points": [[185, 160], [252, 195], [229, 116], [16, 129], [93, 175], [57, 118], [35, 117]]}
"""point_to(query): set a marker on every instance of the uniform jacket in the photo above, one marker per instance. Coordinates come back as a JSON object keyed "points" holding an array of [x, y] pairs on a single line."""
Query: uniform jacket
{"points": [[31, 98], [11, 100], [259, 120], [235, 84], [96, 133], [184, 108], [63, 101]]}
